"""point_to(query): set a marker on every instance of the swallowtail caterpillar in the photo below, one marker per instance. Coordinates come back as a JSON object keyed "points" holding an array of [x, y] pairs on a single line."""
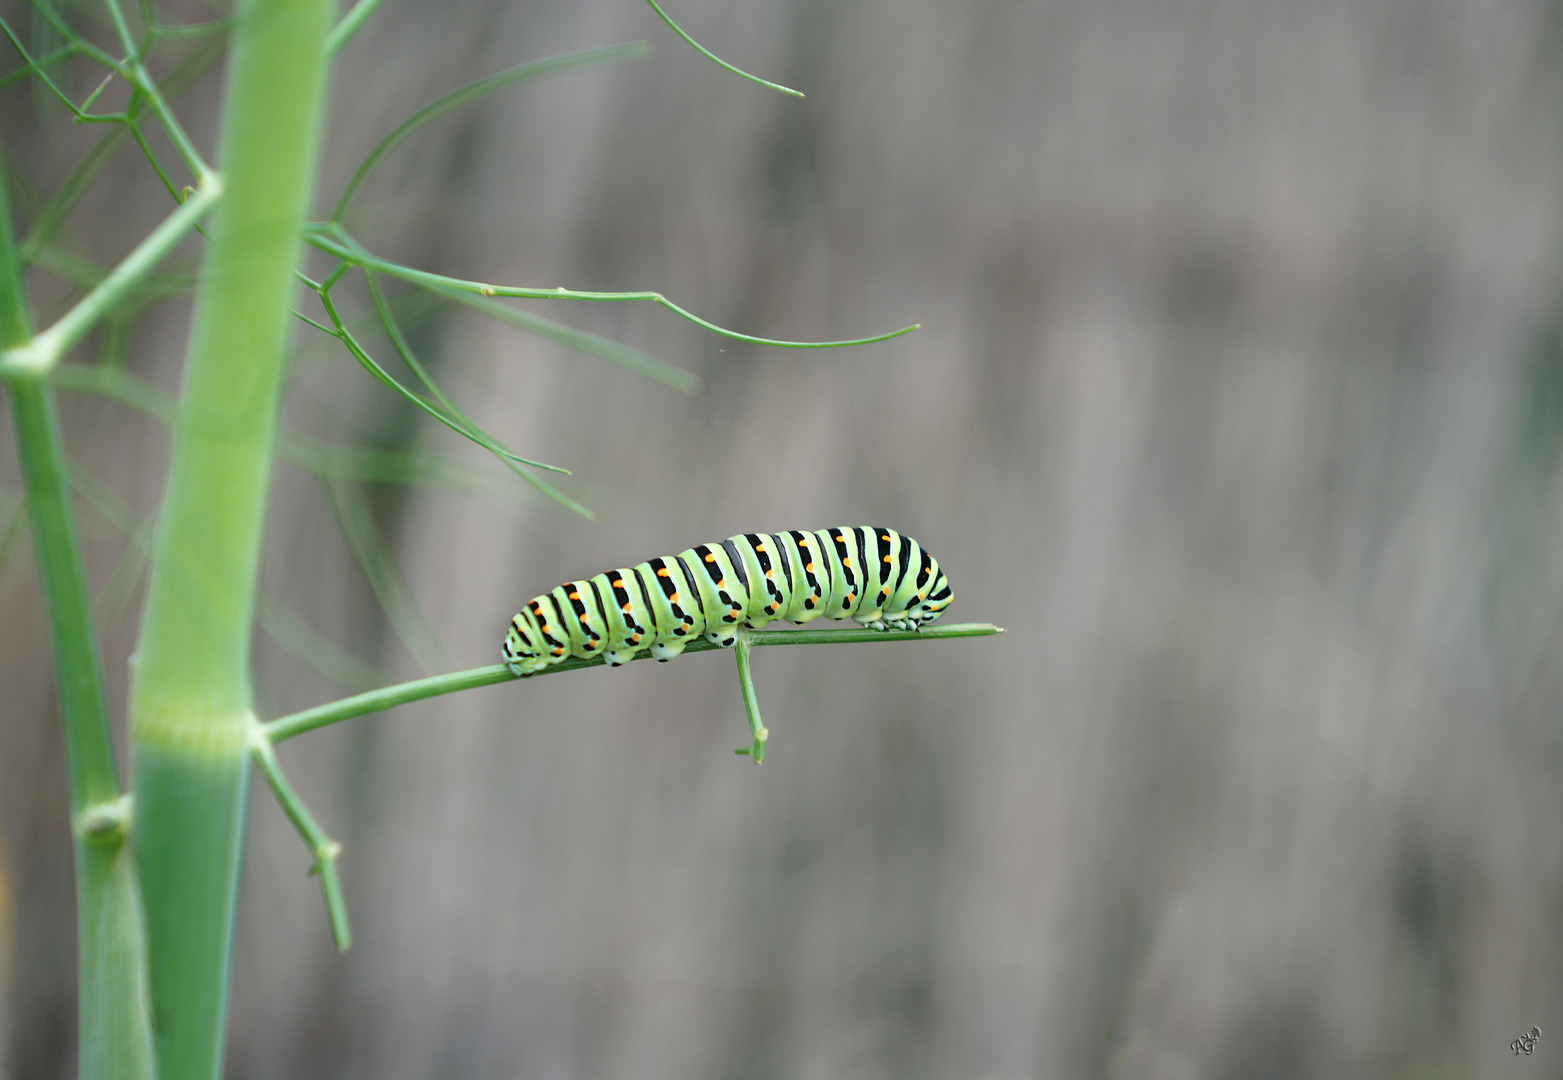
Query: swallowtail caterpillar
{"points": [[875, 576]]}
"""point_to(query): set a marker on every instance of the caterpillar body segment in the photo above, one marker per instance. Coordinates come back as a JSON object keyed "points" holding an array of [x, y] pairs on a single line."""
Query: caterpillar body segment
{"points": [[874, 576], [627, 615], [722, 592]]}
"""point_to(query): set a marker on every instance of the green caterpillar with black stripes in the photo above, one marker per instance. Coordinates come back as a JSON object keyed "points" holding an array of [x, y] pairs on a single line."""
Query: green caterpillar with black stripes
{"points": [[875, 576]]}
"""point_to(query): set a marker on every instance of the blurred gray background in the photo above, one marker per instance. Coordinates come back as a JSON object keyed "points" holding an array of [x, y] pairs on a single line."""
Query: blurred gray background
{"points": [[1239, 401]]}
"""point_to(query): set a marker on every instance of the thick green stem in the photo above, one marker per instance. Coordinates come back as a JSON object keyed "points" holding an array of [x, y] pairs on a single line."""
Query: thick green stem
{"points": [[191, 692], [115, 1016]]}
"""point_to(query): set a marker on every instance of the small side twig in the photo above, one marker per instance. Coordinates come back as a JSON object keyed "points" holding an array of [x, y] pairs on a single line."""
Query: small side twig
{"points": [[757, 727], [324, 849]]}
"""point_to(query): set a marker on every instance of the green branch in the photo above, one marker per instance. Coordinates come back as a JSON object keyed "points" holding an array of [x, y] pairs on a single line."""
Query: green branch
{"points": [[82, 46], [137, 75], [632, 359], [46, 11], [189, 31], [715, 59], [343, 32], [390, 589], [115, 1010], [402, 693], [514, 462], [334, 240], [536, 69], [92, 164], [393, 331], [45, 350], [327, 460], [64, 52]]}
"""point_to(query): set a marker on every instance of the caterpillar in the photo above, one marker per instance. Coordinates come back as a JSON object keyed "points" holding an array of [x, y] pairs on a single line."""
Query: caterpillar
{"points": [[876, 576]]}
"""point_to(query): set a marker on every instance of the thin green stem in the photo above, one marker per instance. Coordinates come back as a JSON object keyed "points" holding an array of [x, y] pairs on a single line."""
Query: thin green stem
{"points": [[115, 1008], [148, 24], [274, 617], [536, 69], [332, 239], [402, 693], [44, 351], [83, 47], [335, 276], [757, 729], [514, 462], [86, 274], [81, 176], [318, 653], [445, 412], [709, 55], [322, 327], [46, 11], [115, 1002], [117, 384], [49, 60], [157, 166], [16, 317], [640, 363], [11, 535], [324, 849], [191, 30], [69, 192], [399, 342], [385, 580], [413, 307], [343, 32], [121, 518], [97, 91], [393, 330], [135, 71], [362, 463]]}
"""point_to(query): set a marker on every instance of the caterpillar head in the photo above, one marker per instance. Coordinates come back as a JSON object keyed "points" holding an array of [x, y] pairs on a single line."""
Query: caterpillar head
{"points": [[524, 651], [939, 597]]}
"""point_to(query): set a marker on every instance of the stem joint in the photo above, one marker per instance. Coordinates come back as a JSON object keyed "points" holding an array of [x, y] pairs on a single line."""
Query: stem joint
{"points": [[106, 822]]}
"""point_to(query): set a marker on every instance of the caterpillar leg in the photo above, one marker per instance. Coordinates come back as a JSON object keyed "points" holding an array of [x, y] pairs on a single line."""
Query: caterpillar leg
{"points": [[722, 636], [618, 657], [528, 665], [896, 620], [667, 650]]}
